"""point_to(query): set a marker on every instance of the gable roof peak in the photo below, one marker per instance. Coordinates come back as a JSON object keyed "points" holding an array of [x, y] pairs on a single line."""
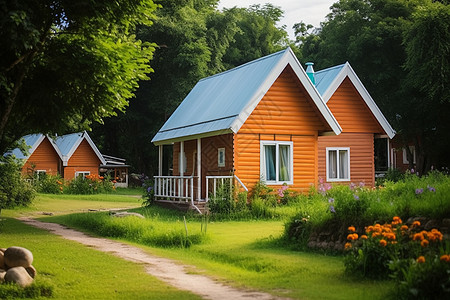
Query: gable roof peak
{"points": [[222, 103]]}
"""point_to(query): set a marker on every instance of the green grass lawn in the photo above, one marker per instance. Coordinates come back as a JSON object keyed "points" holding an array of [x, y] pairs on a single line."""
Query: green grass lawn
{"points": [[64, 204], [242, 254], [248, 255], [78, 272]]}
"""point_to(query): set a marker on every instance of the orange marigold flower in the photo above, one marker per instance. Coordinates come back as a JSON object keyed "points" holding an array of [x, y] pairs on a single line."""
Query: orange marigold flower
{"points": [[347, 246], [424, 243], [390, 236], [396, 220], [369, 229], [421, 259], [364, 237], [352, 236], [404, 227], [418, 237], [383, 243], [375, 234], [415, 224], [352, 229], [445, 258]]}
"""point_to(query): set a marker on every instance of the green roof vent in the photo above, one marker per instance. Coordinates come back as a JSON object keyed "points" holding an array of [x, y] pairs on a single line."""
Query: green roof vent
{"points": [[310, 72]]}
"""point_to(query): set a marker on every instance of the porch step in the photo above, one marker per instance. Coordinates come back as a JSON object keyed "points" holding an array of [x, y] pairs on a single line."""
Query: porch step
{"points": [[183, 206]]}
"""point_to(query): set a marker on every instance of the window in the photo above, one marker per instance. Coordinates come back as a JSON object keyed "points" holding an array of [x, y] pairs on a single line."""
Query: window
{"points": [[40, 174], [405, 156], [338, 164], [276, 162], [82, 174], [221, 157]]}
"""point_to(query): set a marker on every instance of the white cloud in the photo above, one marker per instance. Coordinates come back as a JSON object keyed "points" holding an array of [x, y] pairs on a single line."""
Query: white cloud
{"points": [[309, 11]]}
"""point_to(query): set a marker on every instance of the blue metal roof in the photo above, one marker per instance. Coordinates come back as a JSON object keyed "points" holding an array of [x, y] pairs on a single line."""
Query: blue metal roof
{"points": [[216, 101], [30, 140], [325, 77], [66, 142]]}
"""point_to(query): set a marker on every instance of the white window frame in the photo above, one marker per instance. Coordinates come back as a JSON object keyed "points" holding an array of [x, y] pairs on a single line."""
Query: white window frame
{"points": [[277, 159], [221, 157], [38, 173], [84, 173], [337, 149], [405, 157]]}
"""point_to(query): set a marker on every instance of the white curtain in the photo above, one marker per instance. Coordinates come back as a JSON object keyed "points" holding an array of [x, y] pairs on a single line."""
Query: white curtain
{"points": [[343, 164], [269, 158], [285, 162], [332, 164]]}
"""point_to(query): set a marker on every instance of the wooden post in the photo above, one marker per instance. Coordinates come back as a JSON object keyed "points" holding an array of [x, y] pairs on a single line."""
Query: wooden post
{"points": [[199, 169], [160, 160]]}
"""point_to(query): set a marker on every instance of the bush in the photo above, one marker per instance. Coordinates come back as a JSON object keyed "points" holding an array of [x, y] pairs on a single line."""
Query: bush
{"points": [[14, 191], [49, 184], [381, 250], [91, 184]]}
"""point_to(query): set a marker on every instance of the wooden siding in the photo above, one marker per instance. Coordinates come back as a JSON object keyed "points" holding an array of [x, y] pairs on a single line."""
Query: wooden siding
{"points": [[43, 158], [351, 111], [362, 168], [286, 113], [83, 159]]}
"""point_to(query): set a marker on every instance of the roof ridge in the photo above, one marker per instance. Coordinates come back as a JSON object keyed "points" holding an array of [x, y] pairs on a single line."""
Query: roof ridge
{"points": [[246, 64], [330, 68]]}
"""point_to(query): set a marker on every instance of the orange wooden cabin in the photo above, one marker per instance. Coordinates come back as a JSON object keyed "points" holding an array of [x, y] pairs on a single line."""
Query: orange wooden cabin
{"points": [[259, 121], [44, 156], [70, 155], [350, 156]]}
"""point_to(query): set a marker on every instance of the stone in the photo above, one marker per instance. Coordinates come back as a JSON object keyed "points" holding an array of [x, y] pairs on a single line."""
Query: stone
{"points": [[31, 271], [2, 261], [431, 224], [2, 275], [18, 257], [127, 214], [18, 275]]}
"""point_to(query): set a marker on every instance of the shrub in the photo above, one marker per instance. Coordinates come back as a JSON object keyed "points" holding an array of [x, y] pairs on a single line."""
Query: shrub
{"points": [[90, 184], [427, 277], [14, 191], [381, 250], [149, 191], [49, 184]]}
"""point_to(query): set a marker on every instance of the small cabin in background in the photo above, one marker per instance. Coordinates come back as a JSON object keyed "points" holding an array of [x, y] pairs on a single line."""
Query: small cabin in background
{"points": [[70, 156], [80, 156]]}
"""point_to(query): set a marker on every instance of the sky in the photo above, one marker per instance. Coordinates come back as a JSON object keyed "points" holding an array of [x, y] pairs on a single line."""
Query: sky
{"points": [[309, 11]]}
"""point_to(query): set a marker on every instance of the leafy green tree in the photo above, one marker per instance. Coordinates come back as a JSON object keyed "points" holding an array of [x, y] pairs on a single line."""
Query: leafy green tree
{"points": [[258, 34], [194, 40], [399, 49], [65, 64]]}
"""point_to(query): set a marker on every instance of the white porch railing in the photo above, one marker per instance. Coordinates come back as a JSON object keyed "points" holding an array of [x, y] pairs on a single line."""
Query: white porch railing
{"points": [[175, 187], [218, 181]]}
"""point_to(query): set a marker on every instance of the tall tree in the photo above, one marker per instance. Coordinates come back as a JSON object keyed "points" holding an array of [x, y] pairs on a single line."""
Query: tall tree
{"points": [[195, 40], [373, 36], [65, 64]]}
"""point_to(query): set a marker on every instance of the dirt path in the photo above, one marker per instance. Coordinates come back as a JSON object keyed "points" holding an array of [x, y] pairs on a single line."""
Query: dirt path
{"points": [[162, 268]]}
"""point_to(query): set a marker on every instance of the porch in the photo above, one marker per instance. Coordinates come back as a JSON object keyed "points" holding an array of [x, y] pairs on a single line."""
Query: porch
{"points": [[183, 192]]}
